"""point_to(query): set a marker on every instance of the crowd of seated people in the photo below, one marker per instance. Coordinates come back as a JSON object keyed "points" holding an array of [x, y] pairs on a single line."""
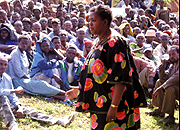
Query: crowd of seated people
{"points": [[49, 41]]}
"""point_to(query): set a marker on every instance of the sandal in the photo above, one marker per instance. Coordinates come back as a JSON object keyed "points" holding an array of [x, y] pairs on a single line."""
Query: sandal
{"points": [[156, 112], [67, 102]]}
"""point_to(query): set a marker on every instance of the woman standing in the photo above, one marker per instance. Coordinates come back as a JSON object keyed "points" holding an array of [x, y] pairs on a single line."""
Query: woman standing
{"points": [[107, 78]]}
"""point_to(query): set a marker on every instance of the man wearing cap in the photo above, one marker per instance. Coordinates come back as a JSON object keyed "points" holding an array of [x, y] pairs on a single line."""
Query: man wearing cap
{"points": [[56, 25], [36, 14], [27, 25], [153, 75], [150, 37], [162, 48], [81, 8], [166, 89]]}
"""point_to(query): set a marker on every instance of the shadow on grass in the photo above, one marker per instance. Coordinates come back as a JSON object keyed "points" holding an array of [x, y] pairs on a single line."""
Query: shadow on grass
{"points": [[163, 125]]}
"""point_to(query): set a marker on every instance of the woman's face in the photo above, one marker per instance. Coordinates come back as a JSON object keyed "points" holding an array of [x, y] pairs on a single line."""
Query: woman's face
{"points": [[126, 30], [45, 47], [95, 23]]}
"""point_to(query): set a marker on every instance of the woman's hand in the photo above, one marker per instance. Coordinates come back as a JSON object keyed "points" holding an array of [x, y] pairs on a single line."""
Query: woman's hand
{"points": [[72, 93], [111, 115]]}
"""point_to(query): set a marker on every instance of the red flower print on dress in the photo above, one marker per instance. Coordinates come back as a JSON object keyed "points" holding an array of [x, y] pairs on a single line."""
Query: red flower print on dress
{"points": [[88, 84], [135, 94], [125, 102], [97, 67], [99, 100], [119, 57], [130, 73], [111, 42], [85, 106], [136, 114], [117, 128], [121, 115], [78, 104], [113, 126], [94, 124], [109, 71]]}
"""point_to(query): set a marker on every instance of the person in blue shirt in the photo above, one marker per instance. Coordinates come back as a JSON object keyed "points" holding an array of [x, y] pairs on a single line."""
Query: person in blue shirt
{"points": [[45, 53], [56, 25], [70, 69], [79, 41]]}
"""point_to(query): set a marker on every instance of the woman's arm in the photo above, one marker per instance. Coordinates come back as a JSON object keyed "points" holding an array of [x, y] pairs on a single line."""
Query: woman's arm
{"points": [[137, 50], [118, 92]]}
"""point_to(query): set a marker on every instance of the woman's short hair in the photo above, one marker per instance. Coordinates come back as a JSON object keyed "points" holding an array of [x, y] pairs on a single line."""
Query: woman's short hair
{"points": [[104, 12]]}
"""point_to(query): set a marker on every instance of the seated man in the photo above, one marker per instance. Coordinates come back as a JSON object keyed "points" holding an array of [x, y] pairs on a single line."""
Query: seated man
{"points": [[162, 48], [8, 99], [146, 68], [79, 41], [167, 87]]}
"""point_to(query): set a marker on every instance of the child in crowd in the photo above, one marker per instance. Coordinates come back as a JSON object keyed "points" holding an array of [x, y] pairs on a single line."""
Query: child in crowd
{"points": [[57, 44], [87, 48], [136, 31], [137, 47]]}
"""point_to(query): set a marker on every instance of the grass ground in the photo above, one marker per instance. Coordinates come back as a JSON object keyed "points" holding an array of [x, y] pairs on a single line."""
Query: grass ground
{"points": [[81, 121]]}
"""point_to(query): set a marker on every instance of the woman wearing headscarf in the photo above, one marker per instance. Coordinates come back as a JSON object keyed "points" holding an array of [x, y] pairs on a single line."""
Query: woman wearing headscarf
{"points": [[127, 32]]}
